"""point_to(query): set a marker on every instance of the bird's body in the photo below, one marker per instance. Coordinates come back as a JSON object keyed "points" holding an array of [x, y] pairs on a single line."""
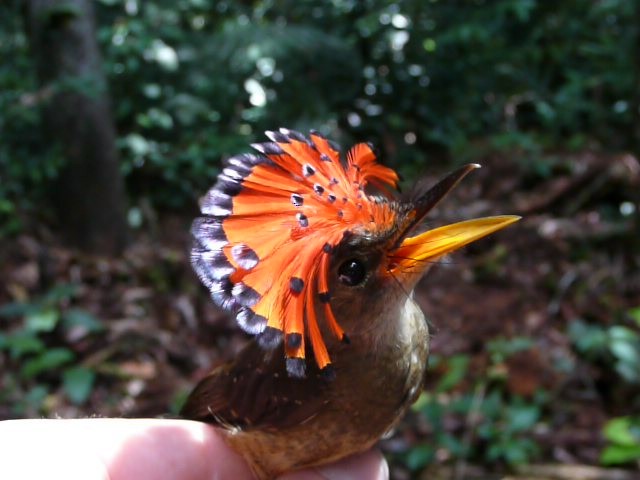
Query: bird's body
{"points": [[280, 423], [322, 272]]}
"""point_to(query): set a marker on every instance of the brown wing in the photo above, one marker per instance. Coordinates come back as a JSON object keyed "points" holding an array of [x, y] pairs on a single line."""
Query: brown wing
{"points": [[254, 390]]}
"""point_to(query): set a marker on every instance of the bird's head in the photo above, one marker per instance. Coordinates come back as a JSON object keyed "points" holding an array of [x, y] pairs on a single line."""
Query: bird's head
{"points": [[294, 243]]}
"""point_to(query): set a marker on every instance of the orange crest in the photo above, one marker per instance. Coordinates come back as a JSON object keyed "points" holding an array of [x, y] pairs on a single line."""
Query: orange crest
{"points": [[271, 222]]}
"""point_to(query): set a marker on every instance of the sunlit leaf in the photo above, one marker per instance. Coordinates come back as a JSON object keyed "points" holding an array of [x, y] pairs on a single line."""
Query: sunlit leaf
{"points": [[618, 454], [619, 430], [43, 320]]}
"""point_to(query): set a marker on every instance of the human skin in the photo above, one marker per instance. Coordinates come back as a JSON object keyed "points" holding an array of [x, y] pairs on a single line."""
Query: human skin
{"points": [[123, 449]]}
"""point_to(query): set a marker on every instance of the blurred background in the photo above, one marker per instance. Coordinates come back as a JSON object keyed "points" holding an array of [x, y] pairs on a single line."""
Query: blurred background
{"points": [[115, 116]]}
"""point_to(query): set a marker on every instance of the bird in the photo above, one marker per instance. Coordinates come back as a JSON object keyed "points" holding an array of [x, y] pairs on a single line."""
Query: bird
{"points": [[317, 257]]}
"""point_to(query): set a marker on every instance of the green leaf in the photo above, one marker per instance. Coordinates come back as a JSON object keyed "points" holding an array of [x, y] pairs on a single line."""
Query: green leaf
{"points": [[634, 313], [22, 343], [48, 360], [422, 402], [495, 451], [60, 292], [458, 366], [589, 339], [419, 456], [619, 333], [519, 451], [78, 383], [42, 320], [624, 345], [501, 348], [34, 398], [77, 317], [619, 431], [15, 309], [492, 405], [453, 444], [630, 371], [617, 454], [522, 417]]}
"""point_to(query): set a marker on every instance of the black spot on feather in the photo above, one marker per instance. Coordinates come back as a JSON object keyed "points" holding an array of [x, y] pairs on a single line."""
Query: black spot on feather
{"points": [[328, 373], [296, 367], [297, 200], [294, 340], [245, 295], [270, 338], [296, 285], [308, 170], [302, 220]]}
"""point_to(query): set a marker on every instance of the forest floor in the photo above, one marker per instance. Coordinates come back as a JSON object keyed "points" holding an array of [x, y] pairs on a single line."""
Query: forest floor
{"points": [[521, 322]]}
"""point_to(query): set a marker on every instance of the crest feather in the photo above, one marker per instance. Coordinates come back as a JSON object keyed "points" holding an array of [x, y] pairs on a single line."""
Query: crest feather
{"points": [[271, 221]]}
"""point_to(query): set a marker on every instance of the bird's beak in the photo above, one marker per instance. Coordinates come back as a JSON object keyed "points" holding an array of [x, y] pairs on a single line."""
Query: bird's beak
{"points": [[414, 254]]}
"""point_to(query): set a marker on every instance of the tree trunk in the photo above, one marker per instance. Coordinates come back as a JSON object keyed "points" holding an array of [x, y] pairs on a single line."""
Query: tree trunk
{"points": [[89, 193]]}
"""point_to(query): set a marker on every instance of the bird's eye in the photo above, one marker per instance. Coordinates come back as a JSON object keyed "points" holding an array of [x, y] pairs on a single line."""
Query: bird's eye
{"points": [[352, 272]]}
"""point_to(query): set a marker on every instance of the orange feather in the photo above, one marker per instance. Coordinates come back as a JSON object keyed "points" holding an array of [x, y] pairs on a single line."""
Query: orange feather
{"points": [[264, 246]]}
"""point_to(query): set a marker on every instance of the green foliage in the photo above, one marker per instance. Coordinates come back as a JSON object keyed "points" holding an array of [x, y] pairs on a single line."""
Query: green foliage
{"points": [[77, 383], [457, 367], [618, 348], [27, 327], [502, 423], [506, 427], [616, 345], [26, 164], [208, 83], [502, 348], [623, 441], [195, 81]]}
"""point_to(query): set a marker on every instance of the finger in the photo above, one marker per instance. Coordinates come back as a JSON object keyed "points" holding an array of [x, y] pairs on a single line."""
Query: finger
{"points": [[117, 449], [171, 449]]}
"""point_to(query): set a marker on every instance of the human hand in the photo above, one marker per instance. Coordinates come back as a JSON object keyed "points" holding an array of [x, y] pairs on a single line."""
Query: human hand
{"points": [[123, 449]]}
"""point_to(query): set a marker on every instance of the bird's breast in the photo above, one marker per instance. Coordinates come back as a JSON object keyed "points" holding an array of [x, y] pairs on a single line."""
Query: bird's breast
{"points": [[388, 363], [377, 377]]}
